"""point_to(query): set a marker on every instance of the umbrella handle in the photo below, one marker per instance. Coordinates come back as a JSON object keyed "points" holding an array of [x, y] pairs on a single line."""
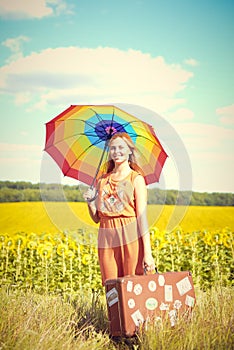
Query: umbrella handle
{"points": [[92, 199]]}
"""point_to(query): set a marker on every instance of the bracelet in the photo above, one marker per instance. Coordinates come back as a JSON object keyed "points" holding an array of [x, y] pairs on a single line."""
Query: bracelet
{"points": [[92, 199]]}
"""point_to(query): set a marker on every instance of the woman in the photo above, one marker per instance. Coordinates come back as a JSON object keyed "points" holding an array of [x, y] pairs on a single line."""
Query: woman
{"points": [[120, 208]]}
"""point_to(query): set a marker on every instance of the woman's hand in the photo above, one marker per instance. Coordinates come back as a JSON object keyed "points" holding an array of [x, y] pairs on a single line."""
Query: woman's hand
{"points": [[148, 262], [90, 195]]}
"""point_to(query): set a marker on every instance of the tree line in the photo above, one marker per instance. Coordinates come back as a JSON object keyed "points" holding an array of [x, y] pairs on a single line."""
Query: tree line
{"points": [[21, 191]]}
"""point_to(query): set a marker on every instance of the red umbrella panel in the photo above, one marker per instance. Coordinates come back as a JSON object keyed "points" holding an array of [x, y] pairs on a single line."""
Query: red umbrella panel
{"points": [[77, 139]]}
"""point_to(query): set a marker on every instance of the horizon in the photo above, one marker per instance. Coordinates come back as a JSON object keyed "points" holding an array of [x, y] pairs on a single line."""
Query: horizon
{"points": [[149, 187]]}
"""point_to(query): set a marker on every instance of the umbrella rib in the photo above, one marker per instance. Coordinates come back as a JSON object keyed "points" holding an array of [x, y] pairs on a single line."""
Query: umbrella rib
{"points": [[79, 134], [146, 138], [112, 118], [131, 122], [75, 119], [104, 132], [111, 126], [92, 145], [138, 135], [100, 120], [97, 115]]}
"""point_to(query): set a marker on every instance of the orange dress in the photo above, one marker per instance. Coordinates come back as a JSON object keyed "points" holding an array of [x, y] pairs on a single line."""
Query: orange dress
{"points": [[120, 247]]}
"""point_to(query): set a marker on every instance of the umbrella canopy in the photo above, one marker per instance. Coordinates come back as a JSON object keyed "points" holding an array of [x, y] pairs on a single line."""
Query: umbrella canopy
{"points": [[77, 139]]}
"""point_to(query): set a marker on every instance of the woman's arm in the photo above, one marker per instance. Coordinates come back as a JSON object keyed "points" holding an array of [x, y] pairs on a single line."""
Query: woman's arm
{"points": [[141, 213], [93, 212], [92, 206]]}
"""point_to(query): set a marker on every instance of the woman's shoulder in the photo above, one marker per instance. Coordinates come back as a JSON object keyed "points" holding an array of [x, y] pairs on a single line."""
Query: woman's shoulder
{"points": [[136, 176]]}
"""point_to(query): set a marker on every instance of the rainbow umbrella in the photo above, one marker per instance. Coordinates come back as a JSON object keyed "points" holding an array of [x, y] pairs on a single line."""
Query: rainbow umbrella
{"points": [[77, 139]]}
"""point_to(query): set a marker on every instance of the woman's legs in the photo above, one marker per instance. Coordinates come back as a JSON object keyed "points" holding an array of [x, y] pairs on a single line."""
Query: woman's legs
{"points": [[108, 266], [121, 261], [133, 258]]}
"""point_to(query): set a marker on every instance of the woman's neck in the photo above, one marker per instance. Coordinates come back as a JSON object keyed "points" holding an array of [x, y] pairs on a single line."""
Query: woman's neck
{"points": [[121, 170]]}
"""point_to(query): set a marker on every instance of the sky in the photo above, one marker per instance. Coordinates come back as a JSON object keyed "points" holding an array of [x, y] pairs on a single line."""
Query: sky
{"points": [[173, 59]]}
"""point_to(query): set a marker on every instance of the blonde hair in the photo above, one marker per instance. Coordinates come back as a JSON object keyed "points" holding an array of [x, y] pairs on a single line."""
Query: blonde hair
{"points": [[133, 163]]}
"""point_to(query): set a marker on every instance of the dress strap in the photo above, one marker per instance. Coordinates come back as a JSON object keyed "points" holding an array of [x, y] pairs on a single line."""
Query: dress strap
{"points": [[134, 174]]}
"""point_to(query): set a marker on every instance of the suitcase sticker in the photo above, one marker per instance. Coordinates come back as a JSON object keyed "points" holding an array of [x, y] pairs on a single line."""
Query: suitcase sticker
{"points": [[132, 301]]}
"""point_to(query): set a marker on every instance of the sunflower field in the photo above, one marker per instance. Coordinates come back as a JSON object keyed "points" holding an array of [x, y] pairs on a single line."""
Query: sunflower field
{"points": [[67, 262]]}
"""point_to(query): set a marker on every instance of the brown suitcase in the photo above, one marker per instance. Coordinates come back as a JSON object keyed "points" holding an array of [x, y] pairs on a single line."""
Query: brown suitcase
{"points": [[133, 301]]}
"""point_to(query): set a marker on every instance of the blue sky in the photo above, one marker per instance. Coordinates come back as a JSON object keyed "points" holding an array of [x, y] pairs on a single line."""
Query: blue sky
{"points": [[173, 57]]}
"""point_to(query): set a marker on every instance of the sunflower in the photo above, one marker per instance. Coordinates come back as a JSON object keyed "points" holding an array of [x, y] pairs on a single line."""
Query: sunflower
{"points": [[80, 248], [3, 240], [159, 242], [154, 232], [86, 259], [72, 244], [193, 239], [47, 238], [20, 241], [208, 239], [214, 257], [170, 238], [45, 250], [187, 238], [62, 249], [228, 241], [32, 245], [69, 254], [10, 243], [32, 237]]}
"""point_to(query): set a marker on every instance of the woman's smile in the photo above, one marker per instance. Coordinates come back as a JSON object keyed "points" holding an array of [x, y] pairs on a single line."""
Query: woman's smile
{"points": [[119, 150]]}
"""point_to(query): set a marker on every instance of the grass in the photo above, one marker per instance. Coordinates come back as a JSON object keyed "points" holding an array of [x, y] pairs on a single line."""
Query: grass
{"points": [[52, 217], [31, 321]]}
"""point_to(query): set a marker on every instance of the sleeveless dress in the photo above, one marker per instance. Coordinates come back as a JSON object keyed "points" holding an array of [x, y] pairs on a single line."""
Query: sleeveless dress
{"points": [[120, 247]]}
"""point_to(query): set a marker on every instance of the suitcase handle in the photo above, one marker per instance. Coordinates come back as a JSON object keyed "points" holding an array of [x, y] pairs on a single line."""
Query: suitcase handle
{"points": [[145, 271]]}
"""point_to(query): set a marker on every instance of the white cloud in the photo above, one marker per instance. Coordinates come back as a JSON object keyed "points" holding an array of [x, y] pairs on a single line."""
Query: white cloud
{"points": [[210, 148], [200, 137], [84, 75], [15, 46], [191, 62], [26, 9], [226, 114], [22, 98], [12, 148], [20, 161], [181, 114]]}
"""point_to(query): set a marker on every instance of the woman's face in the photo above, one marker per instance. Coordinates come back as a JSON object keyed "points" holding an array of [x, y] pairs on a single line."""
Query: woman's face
{"points": [[119, 150]]}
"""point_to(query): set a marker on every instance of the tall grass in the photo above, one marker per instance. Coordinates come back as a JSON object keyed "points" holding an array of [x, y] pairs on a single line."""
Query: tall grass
{"points": [[43, 322], [30, 321], [211, 326]]}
